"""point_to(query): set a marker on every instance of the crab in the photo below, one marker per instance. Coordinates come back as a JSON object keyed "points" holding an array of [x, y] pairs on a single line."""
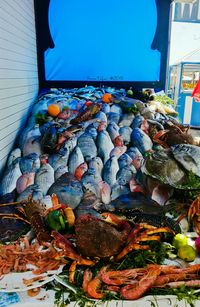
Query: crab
{"points": [[194, 214], [86, 114]]}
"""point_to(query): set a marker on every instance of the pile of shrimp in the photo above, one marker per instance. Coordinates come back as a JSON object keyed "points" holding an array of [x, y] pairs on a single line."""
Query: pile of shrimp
{"points": [[132, 284], [19, 256]]}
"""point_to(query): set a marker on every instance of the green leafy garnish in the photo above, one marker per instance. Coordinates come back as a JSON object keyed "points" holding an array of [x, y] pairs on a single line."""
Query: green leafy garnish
{"points": [[164, 99], [41, 118]]}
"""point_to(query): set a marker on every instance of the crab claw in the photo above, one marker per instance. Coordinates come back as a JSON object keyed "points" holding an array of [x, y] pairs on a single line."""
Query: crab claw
{"points": [[194, 214]]}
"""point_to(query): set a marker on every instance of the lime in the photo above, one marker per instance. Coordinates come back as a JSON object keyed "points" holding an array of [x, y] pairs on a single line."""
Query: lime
{"points": [[180, 240], [187, 253], [130, 92]]}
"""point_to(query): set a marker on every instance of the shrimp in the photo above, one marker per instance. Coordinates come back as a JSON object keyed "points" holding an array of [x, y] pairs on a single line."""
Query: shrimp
{"points": [[133, 292], [93, 287], [162, 280], [87, 277], [121, 277], [189, 283]]}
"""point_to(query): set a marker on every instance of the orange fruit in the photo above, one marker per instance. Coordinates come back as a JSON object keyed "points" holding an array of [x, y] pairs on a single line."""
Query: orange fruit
{"points": [[53, 110], [107, 98]]}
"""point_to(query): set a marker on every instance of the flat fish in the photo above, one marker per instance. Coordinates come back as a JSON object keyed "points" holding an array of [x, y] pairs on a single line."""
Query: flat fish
{"points": [[141, 140], [9, 180], [15, 153], [76, 158], [188, 156], [110, 170], [68, 190], [29, 163], [87, 146], [44, 177], [34, 191]]}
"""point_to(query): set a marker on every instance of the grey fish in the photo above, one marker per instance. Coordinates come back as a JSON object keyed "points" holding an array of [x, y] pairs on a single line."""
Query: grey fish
{"points": [[134, 153], [68, 190], [101, 116], [137, 121], [29, 163], [126, 119], [113, 130], [87, 205], [87, 146], [188, 156], [9, 180], [91, 175], [118, 190], [92, 187], [34, 132], [32, 145], [44, 177], [92, 131], [105, 145], [105, 108], [32, 190], [125, 174], [124, 160], [110, 170], [97, 164], [56, 160], [75, 159], [141, 140], [125, 132], [115, 108], [113, 117], [15, 153], [69, 145], [60, 171]]}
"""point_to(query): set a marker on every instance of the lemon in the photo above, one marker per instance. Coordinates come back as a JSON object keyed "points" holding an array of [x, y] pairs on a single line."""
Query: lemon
{"points": [[187, 253], [180, 240]]}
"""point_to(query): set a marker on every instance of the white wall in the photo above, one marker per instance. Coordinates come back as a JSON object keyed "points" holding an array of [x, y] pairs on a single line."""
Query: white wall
{"points": [[18, 70]]}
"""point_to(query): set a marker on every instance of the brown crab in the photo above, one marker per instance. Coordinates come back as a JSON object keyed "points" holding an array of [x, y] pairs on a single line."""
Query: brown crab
{"points": [[87, 114]]}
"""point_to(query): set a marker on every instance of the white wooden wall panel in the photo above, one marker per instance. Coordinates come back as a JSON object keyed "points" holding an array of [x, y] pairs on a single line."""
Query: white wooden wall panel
{"points": [[18, 70]]}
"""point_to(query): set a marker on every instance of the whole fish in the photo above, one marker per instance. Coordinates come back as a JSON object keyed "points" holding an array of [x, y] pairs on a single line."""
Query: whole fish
{"points": [[124, 160], [115, 108], [15, 153], [32, 190], [113, 117], [118, 151], [29, 163], [92, 175], [24, 181], [110, 170], [125, 174], [113, 130], [126, 120], [92, 131], [105, 145], [141, 140], [137, 121], [9, 180], [32, 145], [57, 160], [60, 171], [69, 145], [105, 192], [92, 187], [80, 170], [118, 190], [44, 177], [97, 164], [68, 190], [34, 132], [101, 116], [87, 146], [125, 132], [134, 152], [188, 156], [105, 108], [76, 158]]}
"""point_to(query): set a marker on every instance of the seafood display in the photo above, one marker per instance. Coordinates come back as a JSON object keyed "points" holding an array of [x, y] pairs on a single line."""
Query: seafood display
{"points": [[97, 178]]}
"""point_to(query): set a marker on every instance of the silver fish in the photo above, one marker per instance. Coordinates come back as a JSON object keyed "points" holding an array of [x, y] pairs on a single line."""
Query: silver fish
{"points": [[87, 146], [97, 164], [137, 121], [105, 108], [32, 190], [75, 159], [113, 117], [113, 130], [134, 153], [68, 190], [32, 145], [124, 160], [101, 116], [126, 120], [188, 156], [141, 140], [92, 131], [110, 170], [56, 160], [60, 171], [125, 174], [115, 108], [105, 145], [118, 190], [125, 132], [92, 187], [34, 132], [87, 205], [69, 145], [29, 163], [91, 175], [44, 177], [15, 153], [9, 180], [24, 181]]}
